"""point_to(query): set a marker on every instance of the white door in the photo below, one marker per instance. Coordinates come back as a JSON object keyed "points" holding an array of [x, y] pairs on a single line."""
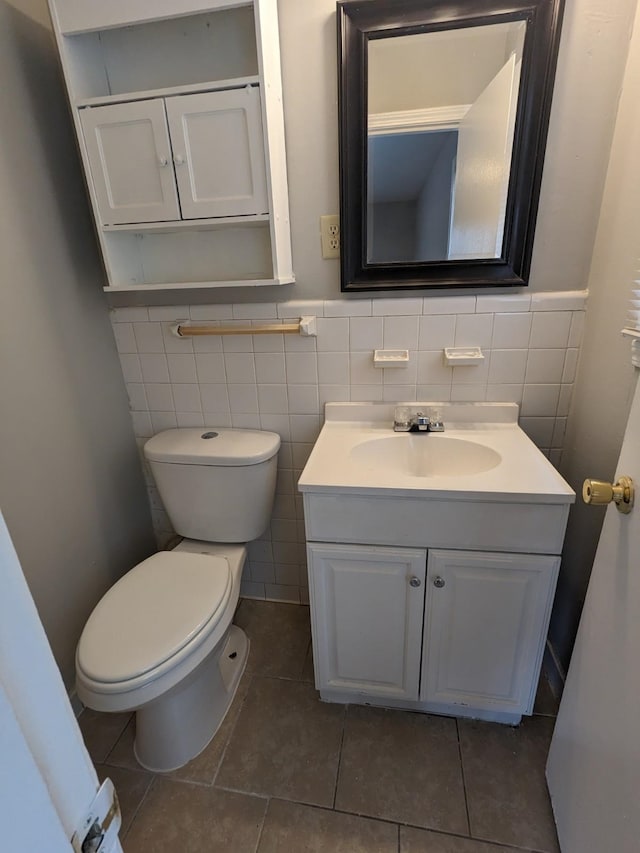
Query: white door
{"points": [[47, 780], [594, 763], [485, 142], [218, 151], [486, 620], [367, 605], [130, 161]]}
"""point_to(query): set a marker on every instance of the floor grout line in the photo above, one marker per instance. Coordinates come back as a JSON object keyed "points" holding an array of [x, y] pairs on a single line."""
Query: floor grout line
{"points": [[264, 820], [140, 805], [344, 725], [117, 741], [464, 781], [250, 675]]}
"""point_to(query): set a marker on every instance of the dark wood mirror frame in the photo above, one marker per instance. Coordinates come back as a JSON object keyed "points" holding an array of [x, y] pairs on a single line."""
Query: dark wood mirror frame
{"points": [[362, 20]]}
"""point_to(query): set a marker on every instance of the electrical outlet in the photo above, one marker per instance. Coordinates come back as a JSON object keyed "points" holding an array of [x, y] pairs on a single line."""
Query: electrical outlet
{"points": [[330, 233]]}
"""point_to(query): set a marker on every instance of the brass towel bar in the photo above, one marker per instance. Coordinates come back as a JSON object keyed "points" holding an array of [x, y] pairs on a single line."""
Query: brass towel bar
{"points": [[304, 326]]}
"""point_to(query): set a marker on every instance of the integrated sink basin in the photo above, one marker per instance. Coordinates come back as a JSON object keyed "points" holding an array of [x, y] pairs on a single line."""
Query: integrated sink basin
{"points": [[482, 455], [430, 455]]}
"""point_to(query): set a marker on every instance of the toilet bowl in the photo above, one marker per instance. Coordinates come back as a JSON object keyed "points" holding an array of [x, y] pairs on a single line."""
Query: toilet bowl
{"points": [[161, 641]]}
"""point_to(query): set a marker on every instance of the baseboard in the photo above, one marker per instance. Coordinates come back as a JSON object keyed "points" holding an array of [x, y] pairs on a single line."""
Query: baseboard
{"points": [[76, 704], [554, 671]]}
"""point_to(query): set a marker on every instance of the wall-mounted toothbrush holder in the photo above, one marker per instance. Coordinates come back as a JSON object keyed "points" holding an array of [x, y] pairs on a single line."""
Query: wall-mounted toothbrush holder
{"points": [[457, 356]]}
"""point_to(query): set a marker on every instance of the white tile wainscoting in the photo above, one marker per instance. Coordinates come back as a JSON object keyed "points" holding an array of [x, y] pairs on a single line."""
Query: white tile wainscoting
{"points": [[281, 382]]}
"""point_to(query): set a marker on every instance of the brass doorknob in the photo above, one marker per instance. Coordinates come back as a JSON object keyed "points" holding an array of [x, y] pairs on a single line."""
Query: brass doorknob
{"points": [[599, 493]]}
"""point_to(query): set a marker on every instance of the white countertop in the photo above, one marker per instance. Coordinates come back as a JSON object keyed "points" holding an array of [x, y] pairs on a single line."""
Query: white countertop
{"points": [[522, 474]]}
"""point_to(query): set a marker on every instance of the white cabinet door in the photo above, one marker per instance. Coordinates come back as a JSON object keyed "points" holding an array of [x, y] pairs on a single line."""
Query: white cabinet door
{"points": [[367, 606], [485, 624], [130, 157], [218, 151]]}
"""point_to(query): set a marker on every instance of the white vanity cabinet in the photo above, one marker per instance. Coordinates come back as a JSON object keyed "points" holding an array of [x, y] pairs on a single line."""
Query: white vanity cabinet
{"points": [[433, 560], [179, 117]]}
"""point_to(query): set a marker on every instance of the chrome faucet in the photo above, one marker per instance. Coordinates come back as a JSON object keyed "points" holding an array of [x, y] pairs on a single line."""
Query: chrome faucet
{"points": [[405, 421]]}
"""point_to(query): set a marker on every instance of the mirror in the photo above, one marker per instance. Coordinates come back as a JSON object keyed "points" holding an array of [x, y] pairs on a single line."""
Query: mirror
{"points": [[443, 116]]}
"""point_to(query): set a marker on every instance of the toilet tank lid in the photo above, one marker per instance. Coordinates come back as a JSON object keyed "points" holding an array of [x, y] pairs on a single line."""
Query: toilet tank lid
{"points": [[212, 446]]}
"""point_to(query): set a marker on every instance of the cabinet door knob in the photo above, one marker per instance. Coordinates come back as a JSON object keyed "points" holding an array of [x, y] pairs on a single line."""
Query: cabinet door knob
{"points": [[438, 581], [178, 159], [415, 582], [163, 161]]}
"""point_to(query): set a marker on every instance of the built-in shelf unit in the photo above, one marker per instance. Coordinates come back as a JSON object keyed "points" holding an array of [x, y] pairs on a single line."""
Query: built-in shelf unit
{"points": [[177, 106]]}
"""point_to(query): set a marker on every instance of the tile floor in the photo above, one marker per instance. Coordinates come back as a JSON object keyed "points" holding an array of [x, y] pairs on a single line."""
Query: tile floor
{"points": [[287, 773]]}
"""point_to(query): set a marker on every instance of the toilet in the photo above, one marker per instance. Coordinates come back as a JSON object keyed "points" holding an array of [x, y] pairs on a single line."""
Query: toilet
{"points": [[161, 641]]}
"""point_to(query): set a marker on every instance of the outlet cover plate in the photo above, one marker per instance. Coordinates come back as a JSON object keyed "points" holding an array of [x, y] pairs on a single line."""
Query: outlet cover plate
{"points": [[330, 234]]}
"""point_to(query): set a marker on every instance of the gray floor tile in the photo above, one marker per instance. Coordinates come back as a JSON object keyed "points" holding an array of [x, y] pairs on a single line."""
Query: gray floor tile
{"points": [[504, 778], [292, 828], [101, 731], [423, 841], [279, 635], [131, 786], [286, 743], [177, 816], [403, 767]]}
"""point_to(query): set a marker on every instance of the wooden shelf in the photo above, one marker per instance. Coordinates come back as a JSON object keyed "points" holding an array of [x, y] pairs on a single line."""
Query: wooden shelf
{"points": [[187, 285], [85, 16], [192, 224], [211, 86]]}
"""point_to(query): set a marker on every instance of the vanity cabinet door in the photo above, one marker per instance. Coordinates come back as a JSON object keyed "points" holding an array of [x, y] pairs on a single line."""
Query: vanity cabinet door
{"points": [[218, 151], [130, 156], [486, 622], [367, 610]]}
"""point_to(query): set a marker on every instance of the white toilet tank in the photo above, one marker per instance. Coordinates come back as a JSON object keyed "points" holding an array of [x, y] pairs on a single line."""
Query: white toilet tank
{"points": [[216, 485]]}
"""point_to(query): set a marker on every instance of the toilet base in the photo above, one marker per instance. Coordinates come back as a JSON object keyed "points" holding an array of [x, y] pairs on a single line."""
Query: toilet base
{"points": [[177, 726]]}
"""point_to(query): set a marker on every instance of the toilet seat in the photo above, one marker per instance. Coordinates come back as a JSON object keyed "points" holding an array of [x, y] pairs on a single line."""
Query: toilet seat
{"points": [[152, 618]]}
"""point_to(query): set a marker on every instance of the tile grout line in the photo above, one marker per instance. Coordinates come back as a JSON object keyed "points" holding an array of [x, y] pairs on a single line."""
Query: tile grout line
{"points": [[141, 804], [344, 725], [464, 782], [388, 821], [264, 820], [251, 676], [105, 760]]}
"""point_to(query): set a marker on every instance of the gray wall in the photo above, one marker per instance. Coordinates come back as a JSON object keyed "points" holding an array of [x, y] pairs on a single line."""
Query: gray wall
{"points": [[71, 487], [606, 379]]}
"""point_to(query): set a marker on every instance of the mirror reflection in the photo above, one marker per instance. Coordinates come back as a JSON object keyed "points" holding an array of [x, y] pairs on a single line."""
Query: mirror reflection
{"points": [[441, 116]]}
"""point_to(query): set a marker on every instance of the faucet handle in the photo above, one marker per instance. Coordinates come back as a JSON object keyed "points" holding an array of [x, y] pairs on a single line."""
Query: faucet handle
{"points": [[436, 421], [402, 419]]}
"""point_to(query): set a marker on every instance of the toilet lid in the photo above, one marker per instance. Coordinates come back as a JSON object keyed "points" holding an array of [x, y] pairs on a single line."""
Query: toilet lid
{"points": [[151, 613]]}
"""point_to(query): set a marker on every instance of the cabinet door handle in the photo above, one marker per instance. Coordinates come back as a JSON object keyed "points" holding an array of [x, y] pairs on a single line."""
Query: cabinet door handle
{"points": [[438, 581], [415, 582]]}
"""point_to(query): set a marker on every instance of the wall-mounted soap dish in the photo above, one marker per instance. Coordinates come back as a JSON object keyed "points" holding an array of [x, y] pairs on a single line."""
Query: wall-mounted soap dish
{"points": [[391, 358], [457, 356]]}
